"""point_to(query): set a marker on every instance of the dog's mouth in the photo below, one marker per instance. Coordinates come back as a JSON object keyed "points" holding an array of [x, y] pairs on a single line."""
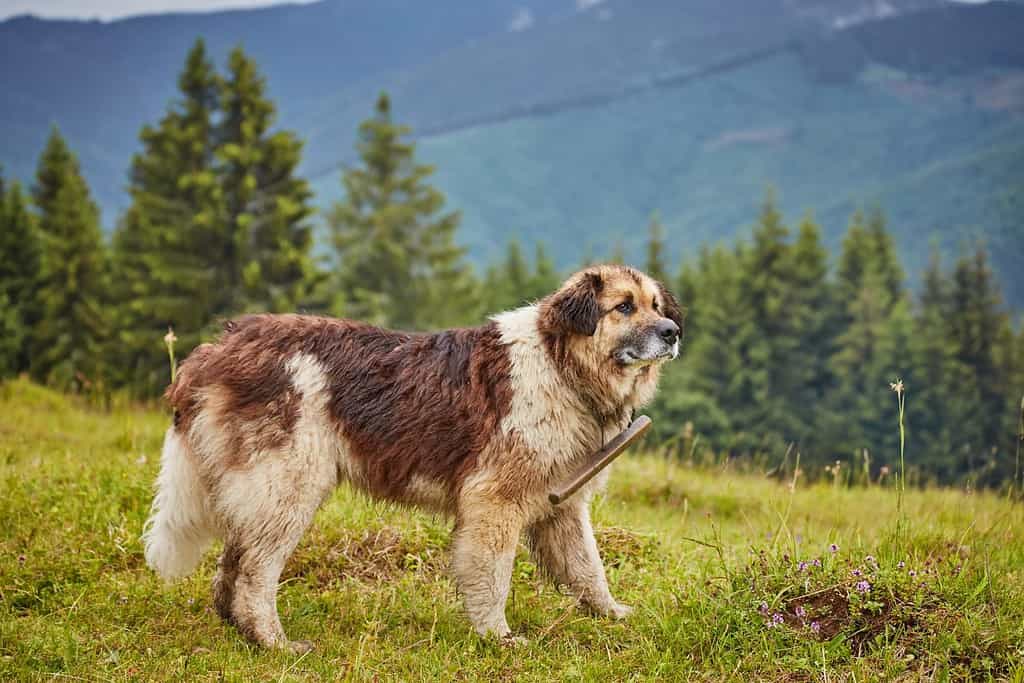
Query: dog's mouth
{"points": [[633, 356]]}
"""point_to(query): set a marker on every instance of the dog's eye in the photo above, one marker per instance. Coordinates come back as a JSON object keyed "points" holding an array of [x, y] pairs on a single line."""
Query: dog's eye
{"points": [[625, 308], [655, 305]]}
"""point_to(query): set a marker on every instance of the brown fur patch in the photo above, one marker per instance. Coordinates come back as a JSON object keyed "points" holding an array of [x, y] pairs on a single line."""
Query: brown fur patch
{"points": [[408, 404]]}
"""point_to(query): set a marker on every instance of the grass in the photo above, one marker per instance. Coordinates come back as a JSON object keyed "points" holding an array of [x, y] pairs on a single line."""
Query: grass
{"points": [[711, 559]]}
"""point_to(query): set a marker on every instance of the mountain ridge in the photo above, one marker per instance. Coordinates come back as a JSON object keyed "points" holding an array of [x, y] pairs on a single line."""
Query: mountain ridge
{"points": [[926, 92]]}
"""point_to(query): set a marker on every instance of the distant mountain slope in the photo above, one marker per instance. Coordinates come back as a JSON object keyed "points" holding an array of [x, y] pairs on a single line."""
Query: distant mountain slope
{"points": [[101, 81], [573, 120], [702, 156]]}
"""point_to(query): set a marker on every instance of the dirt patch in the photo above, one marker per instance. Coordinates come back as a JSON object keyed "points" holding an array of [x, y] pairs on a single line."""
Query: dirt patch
{"points": [[373, 555], [619, 546]]}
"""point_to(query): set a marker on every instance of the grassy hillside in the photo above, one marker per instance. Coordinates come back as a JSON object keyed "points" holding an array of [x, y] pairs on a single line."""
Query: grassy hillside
{"points": [[696, 551]]}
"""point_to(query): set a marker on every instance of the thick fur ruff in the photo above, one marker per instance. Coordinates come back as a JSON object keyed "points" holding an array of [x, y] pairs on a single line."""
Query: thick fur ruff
{"points": [[477, 423]]}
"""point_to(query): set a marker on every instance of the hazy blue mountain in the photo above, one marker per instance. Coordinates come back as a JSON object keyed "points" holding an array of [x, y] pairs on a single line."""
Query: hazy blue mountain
{"points": [[100, 81], [572, 121]]}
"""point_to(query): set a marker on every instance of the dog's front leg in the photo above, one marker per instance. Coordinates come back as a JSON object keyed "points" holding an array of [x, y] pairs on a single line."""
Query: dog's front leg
{"points": [[483, 550], [563, 545]]}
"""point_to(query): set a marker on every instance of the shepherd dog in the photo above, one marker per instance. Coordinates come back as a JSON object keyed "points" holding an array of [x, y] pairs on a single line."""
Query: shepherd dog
{"points": [[478, 424]]}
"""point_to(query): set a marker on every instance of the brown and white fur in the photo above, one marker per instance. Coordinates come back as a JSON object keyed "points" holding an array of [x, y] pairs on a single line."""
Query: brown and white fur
{"points": [[477, 423]]}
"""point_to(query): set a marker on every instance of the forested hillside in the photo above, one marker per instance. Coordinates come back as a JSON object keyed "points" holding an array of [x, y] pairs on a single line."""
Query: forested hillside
{"points": [[577, 121], [787, 351]]}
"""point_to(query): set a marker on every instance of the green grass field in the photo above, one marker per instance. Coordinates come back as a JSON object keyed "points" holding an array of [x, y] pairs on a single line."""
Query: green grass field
{"points": [[710, 559]]}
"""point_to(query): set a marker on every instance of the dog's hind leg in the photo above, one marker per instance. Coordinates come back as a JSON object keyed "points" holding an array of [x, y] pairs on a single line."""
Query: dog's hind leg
{"points": [[260, 551], [224, 581], [483, 550], [266, 509], [563, 545]]}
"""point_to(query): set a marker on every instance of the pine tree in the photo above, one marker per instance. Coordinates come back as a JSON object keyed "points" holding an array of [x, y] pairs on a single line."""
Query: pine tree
{"points": [[511, 282], [872, 344], [267, 262], [716, 352], [72, 287], [938, 412], [868, 357], [854, 259], [883, 250], [218, 219], [20, 254], [655, 265], [686, 286], [168, 245], [978, 327], [545, 278], [768, 338], [811, 312], [398, 261], [506, 283]]}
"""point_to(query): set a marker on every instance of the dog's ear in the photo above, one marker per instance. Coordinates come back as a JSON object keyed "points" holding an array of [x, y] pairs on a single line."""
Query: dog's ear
{"points": [[574, 310], [670, 307]]}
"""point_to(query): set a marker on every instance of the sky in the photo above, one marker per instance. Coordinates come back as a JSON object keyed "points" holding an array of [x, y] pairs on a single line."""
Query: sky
{"points": [[114, 9]]}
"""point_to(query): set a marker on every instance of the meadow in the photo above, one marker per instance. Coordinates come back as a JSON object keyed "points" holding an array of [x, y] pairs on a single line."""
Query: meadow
{"points": [[733, 575]]}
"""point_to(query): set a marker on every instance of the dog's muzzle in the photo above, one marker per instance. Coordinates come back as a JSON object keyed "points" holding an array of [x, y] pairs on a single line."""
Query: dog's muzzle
{"points": [[659, 343]]}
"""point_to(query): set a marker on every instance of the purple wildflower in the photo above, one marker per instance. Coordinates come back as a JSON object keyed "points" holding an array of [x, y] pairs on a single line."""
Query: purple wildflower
{"points": [[816, 627], [802, 567], [833, 548], [863, 586], [817, 562], [856, 572], [801, 612], [901, 564], [763, 608], [776, 620], [870, 559], [911, 573]]}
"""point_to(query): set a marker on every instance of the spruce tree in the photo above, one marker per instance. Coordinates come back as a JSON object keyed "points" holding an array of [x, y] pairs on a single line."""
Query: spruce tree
{"points": [[768, 338], [218, 219], [506, 283], [854, 259], [168, 245], [978, 327], [72, 287], [941, 383], [20, 254], [883, 251], [655, 264], [872, 344], [398, 261], [545, 278], [267, 262], [811, 310], [717, 350]]}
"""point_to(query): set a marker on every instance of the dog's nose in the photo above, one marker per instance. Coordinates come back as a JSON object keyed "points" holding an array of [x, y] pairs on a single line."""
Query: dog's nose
{"points": [[667, 330]]}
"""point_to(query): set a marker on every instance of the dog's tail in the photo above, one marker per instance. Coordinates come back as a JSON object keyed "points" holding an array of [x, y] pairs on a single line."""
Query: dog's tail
{"points": [[178, 529]]}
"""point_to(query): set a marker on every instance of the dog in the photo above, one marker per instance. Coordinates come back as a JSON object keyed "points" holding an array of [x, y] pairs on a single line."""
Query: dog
{"points": [[478, 424]]}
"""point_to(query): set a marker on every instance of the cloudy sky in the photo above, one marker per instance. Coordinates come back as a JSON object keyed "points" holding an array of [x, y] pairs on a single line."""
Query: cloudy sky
{"points": [[113, 9]]}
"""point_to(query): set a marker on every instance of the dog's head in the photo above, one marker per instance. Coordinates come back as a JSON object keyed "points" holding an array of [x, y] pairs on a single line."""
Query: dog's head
{"points": [[614, 319]]}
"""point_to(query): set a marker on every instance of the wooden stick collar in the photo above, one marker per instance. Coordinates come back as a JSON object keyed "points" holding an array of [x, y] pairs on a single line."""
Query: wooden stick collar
{"points": [[602, 458]]}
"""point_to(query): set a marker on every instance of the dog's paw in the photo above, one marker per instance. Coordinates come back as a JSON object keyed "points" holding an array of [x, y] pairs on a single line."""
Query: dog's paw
{"points": [[509, 640], [620, 611], [299, 647]]}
